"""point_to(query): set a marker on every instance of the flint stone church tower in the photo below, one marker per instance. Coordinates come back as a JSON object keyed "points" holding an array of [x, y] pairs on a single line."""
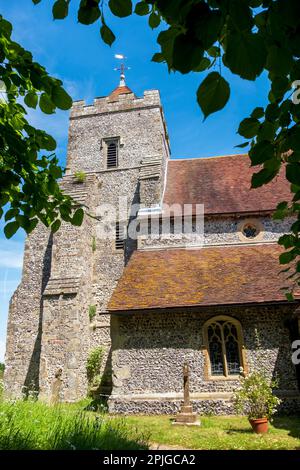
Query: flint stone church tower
{"points": [[157, 302]]}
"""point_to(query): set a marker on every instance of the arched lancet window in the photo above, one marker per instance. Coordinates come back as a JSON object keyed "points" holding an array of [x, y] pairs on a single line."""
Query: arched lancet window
{"points": [[224, 346]]}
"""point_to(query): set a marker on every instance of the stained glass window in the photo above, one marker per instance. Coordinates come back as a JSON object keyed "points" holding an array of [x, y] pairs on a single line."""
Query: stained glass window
{"points": [[215, 349], [224, 348]]}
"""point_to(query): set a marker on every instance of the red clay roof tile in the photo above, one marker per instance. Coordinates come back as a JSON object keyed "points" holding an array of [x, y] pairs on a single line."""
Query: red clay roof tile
{"points": [[120, 90], [207, 276], [222, 184]]}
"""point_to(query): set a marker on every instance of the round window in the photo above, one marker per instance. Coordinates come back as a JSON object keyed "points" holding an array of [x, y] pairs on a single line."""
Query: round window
{"points": [[250, 230]]}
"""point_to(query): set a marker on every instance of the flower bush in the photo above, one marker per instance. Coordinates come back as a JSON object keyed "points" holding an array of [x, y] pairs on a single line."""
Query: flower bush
{"points": [[255, 398]]}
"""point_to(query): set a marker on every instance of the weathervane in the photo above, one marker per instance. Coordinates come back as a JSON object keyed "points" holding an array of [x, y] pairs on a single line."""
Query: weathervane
{"points": [[122, 68]]}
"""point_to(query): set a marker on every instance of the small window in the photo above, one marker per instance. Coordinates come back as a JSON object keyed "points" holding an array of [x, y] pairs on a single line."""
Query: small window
{"points": [[112, 154], [250, 231], [120, 236], [224, 347]]}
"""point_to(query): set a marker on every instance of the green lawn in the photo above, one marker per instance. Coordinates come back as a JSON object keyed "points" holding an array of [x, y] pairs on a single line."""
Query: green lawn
{"points": [[220, 433], [35, 425]]}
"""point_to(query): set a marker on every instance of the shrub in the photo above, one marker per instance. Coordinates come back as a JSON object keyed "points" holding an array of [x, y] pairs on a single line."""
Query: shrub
{"points": [[94, 246], [92, 312], [80, 176], [93, 366], [255, 397]]}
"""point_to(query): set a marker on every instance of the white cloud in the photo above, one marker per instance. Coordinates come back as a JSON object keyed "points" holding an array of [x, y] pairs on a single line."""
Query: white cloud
{"points": [[11, 254]]}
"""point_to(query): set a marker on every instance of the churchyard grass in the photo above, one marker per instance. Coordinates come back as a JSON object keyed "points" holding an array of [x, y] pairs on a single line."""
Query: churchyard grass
{"points": [[35, 425], [220, 432]]}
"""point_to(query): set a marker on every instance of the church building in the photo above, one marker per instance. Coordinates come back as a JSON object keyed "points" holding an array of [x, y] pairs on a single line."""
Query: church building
{"points": [[200, 283]]}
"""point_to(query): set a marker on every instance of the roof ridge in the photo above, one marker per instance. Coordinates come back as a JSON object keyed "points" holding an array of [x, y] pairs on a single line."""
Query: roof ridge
{"points": [[208, 158]]}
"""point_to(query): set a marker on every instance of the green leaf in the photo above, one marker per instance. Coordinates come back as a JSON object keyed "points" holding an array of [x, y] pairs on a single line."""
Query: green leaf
{"points": [[88, 14], [61, 98], [46, 104], [10, 214], [267, 131], [60, 9], [264, 176], [241, 146], [214, 51], [272, 112], [141, 9], [31, 99], [55, 225], [204, 64], [240, 15], [248, 128], [245, 54], [293, 173], [154, 20], [187, 54], [107, 34], [213, 93], [205, 24], [77, 217], [280, 85], [288, 241], [5, 27], [294, 157], [282, 205], [48, 143], [287, 257], [32, 224], [11, 228], [258, 113], [120, 8], [261, 152], [158, 57], [166, 40], [261, 18], [289, 296], [279, 60]]}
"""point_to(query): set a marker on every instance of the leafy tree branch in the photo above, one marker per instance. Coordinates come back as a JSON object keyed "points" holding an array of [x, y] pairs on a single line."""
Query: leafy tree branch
{"points": [[29, 191]]}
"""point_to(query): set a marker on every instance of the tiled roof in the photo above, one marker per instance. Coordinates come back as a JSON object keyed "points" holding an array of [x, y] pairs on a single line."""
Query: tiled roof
{"points": [[120, 90], [207, 276], [222, 184]]}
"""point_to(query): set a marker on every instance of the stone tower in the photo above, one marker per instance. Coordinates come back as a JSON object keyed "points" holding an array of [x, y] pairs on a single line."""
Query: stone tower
{"points": [[121, 144]]}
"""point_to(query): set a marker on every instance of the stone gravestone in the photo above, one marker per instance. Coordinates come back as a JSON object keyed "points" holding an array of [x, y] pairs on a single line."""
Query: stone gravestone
{"points": [[56, 388], [186, 416]]}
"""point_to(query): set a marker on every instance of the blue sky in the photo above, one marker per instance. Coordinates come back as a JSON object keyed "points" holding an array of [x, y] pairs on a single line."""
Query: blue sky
{"points": [[75, 54]]}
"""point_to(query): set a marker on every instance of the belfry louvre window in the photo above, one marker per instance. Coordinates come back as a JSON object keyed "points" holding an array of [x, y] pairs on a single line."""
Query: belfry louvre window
{"points": [[224, 346], [120, 236], [112, 154]]}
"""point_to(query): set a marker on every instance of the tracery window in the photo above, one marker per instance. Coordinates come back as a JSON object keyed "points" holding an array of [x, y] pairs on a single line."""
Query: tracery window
{"points": [[224, 346]]}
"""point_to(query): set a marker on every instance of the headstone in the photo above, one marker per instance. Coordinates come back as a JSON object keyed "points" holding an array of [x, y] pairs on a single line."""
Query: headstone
{"points": [[186, 416], [56, 387]]}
